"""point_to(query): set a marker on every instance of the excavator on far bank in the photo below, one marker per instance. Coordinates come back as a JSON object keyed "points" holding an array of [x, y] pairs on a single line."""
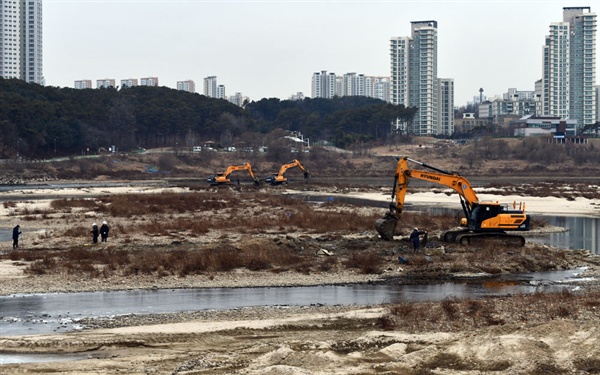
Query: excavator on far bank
{"points": [[483, 221], [223, 178], [279, 178]]}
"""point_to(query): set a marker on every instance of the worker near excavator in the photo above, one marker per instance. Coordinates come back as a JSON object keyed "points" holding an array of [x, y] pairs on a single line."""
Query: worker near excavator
{"points": [[414, 238]]}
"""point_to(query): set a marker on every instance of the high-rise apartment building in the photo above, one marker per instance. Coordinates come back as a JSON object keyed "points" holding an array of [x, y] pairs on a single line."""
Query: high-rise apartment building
{"points": [[378, 88], [569, 67], [188, 86], [210, 86], [445, 115], [221, 92], [323, 85], [353, 84], [414, 80], [422, 76], [21, 40]]}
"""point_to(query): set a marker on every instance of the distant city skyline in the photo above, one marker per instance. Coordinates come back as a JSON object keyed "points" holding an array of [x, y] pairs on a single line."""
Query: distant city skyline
{"points": [[272, 48]]}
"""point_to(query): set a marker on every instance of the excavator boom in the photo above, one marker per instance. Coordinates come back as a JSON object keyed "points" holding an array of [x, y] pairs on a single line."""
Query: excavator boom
{"points": [[482, 219]]}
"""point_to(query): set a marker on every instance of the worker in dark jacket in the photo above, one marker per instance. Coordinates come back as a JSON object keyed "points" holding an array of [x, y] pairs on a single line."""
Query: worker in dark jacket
{"points": [[414, 238], [16, 234], [95, 232], [104, 231]]}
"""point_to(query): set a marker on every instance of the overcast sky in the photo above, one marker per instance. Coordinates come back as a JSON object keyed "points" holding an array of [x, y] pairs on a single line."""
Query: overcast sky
{"points": [[272, 48]]}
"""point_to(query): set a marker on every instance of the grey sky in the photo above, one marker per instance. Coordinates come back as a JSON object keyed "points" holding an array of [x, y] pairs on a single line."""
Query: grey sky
{"points": [[272, 48]]}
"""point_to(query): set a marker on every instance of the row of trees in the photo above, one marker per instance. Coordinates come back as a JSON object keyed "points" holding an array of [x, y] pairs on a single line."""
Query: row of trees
{"points": [[40, 121]]}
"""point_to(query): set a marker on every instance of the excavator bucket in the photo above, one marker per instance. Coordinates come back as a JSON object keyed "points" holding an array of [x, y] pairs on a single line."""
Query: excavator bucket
{"points": [[386, 226]]}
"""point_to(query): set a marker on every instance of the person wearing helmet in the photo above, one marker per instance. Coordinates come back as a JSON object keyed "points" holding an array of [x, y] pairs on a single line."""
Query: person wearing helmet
{"points": [[104, 231], [414, 238], [95, 233]]}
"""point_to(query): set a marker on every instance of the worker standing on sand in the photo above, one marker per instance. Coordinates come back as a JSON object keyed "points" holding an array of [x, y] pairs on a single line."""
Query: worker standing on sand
{"points": [[15, 236], [95, 233], [414, 238], [104, 231]]}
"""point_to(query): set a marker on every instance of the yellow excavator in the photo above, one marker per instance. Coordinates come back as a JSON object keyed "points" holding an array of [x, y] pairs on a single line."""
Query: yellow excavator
{"points": [[483, 220], [278, 179], [223, 178]]}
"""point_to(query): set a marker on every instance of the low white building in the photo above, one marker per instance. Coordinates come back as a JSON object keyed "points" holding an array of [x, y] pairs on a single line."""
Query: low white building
{"points": [[544, 126]]}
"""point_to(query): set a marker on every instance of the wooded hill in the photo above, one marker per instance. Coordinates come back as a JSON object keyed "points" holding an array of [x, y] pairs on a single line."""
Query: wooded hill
{"points": [[42, 121]]}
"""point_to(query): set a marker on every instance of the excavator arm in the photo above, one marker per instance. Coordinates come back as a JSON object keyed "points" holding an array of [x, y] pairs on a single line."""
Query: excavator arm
{"points": [[280, 178], [450, 179]]}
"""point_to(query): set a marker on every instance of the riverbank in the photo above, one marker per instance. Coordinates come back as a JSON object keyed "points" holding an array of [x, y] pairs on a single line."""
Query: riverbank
{"points": [[46, 228], [511, 335]]}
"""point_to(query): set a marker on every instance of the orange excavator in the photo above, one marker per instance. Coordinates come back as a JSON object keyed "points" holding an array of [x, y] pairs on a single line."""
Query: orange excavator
{"points": [[223, 178], [483, 220], [279, 178]]}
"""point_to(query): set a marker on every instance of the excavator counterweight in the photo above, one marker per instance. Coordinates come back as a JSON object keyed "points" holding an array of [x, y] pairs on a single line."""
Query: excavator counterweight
{"points": [[483, 221]]}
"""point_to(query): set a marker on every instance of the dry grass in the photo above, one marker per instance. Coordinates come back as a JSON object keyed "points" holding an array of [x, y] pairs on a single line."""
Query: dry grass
{"points": [[181, 262], [453, 315]]}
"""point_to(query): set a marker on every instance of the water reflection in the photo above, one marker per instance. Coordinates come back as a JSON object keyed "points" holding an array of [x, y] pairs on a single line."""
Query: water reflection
{"points": [[47, 313], [582, 232]]}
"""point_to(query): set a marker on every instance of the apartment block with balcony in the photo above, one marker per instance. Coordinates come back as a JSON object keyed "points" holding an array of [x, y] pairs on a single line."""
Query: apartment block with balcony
{"points": [[149, 81], [324, 85], [83, 84], [188, 86], [105, 83], [130, 82]]}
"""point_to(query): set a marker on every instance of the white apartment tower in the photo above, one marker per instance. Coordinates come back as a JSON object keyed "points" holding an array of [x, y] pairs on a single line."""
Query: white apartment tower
{"points": [[31, 41], [353, 84], [210, 86], [569, 67], [422, 76], [445, 106], [10, 38], [221, 92], [414, 80], [399, 47], [21, 40], [323, 85]]}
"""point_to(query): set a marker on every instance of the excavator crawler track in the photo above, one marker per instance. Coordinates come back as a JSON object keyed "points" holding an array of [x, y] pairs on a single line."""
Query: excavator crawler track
{"points": [[470, 239]]}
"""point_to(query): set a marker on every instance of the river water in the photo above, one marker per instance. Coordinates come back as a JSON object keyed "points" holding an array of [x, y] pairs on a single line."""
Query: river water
{"points": [[60, 312]]}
